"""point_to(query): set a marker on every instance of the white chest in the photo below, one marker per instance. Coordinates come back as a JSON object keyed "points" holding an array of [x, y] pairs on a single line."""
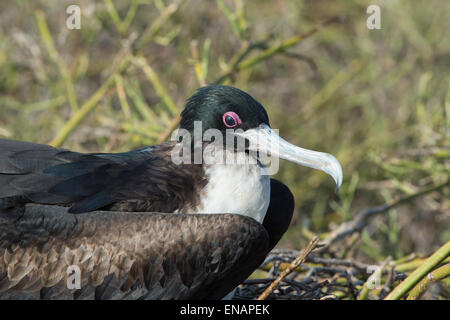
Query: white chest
{"points": [[236, 188]]}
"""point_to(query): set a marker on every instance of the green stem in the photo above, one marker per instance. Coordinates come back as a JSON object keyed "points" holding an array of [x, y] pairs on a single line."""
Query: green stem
{"points": [[442, 253], [156, 82], [87, 107], [422, 286], [162, 19], [54, 55], [411, 265], [368, 285], [269, 52]]}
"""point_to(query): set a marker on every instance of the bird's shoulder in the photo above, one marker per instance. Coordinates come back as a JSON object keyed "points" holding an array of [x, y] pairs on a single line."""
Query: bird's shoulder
{"points": [[144, 179]]}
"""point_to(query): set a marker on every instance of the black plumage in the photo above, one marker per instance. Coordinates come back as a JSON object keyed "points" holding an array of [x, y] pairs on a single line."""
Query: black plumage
{"points": [[141, 180], [134, 255]]}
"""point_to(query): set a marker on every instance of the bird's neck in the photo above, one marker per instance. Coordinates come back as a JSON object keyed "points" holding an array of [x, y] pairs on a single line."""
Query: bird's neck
{"points": [[239, 187]]}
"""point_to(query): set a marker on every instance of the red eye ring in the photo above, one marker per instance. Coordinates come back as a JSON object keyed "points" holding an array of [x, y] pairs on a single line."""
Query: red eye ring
{"points": [[231, 119]]}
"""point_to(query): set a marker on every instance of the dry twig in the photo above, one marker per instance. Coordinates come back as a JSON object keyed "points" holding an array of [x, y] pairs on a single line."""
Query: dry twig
{"points": [[298, 261]]}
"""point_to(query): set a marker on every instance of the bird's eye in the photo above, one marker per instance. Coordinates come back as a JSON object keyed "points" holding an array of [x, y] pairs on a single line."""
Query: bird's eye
{"points": [[231, 119]]}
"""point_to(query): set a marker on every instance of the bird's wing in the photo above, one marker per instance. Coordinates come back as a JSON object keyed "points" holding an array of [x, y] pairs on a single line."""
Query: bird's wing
{"points": [[42, 174], [126, 255]]}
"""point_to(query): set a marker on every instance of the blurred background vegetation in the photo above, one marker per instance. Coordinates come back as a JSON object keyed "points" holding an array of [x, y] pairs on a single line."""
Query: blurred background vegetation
{"points": [[379, 100]]}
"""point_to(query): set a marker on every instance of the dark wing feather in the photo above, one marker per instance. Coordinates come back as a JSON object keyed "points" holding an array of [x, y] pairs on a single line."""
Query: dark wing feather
{"points": [[280, 211], [42, 174], [127, 255]]}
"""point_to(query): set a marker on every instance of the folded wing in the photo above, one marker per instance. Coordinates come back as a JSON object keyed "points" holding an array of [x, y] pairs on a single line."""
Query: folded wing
{"points": [[126, 255], [146, 177]]}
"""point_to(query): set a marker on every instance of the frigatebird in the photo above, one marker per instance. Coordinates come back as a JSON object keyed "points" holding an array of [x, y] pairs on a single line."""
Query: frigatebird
{"points": [[139, 225]]}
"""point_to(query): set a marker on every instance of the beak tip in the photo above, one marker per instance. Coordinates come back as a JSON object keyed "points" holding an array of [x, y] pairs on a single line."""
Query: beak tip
{"points": [[264, 139], [337, 174]]}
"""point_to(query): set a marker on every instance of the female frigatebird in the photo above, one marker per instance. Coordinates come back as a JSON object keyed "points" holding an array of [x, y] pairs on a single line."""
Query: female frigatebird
{"points": [[141, 225]]}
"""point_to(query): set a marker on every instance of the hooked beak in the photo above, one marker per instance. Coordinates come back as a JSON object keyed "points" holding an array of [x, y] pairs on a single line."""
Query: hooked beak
{"points": [[264, 139]]}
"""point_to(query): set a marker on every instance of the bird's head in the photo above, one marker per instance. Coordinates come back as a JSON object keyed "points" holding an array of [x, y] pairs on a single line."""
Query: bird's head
{"points": [[234, 112]]}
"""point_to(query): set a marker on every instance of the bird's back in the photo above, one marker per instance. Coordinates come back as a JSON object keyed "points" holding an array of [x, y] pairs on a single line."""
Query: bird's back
{"points": [[141, 180]]}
